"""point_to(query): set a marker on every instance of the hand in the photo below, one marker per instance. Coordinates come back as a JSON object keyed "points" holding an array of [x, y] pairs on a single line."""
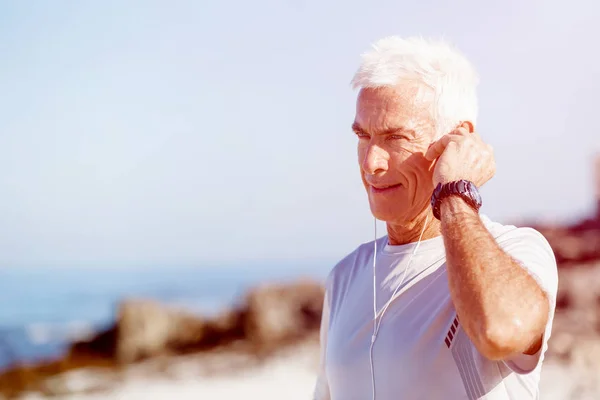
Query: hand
{"points": [[462, 154]]}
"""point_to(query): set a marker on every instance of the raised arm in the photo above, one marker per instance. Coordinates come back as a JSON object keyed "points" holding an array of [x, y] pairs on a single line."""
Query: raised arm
{"points": [[502, 308]]}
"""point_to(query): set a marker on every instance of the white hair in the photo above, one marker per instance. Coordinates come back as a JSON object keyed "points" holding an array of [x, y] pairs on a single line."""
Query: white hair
{"points": [[438, 66]]}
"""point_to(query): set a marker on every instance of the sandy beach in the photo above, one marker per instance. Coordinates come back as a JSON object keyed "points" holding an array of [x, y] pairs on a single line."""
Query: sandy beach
{"points": [[289, 375]]}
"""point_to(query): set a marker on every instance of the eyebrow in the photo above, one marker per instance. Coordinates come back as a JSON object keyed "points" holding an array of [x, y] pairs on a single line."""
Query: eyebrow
{"points": [[358, 129]]}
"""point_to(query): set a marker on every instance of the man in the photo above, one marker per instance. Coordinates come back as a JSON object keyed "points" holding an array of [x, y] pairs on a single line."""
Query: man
{"points": [[447, 305]]}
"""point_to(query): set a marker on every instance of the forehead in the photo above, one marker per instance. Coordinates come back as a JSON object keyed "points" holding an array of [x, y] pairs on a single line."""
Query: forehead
{"points": [[403, 106]]}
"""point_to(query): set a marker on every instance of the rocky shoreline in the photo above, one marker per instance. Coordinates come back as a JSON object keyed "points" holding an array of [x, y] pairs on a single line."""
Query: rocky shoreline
{"points": [[281, 322], [268, 320]]}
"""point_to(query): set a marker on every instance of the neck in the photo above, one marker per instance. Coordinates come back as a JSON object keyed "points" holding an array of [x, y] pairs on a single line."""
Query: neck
{"points": [[410, 232]]}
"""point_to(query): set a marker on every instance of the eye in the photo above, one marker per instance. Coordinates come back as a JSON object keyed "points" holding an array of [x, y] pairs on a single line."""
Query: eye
{"points": [[398, 137], [362, 135]]}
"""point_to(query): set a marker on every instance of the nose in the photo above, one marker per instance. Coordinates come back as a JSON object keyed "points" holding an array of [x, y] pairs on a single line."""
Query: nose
{"points": [[374, 160]]}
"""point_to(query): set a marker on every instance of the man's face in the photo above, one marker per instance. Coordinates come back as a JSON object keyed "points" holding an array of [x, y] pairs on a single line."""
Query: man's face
{"points": [[394, 129]]}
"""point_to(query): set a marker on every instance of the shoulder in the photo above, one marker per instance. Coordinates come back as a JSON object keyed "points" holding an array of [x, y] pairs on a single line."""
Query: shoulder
{"points": [[513, 236], [347, 267], [530, 249]]}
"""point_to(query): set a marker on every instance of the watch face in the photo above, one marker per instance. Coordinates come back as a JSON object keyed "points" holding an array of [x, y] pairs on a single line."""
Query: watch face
{"points": [[475, 194]]}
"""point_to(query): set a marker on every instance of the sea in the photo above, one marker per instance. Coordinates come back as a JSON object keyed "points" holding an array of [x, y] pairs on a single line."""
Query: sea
{"points": [[44, 309]]}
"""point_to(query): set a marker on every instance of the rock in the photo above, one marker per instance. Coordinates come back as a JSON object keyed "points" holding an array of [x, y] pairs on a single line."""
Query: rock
{"points": [[279, 313], [579, 286], [268, 316], [573, 358], [102, 345], [575, 331], [144, 328], [147, 329]]}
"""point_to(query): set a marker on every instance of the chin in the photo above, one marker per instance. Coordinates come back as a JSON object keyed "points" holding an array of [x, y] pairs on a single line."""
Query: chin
{"points": [[387, 214]]}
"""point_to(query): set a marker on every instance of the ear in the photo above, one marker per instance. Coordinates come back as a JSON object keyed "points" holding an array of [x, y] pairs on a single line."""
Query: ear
{"points": [[468, 125]]}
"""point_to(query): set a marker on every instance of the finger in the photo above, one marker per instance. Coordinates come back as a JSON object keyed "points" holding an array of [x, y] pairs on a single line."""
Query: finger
{"points": [[461, 130], [437, 148]]}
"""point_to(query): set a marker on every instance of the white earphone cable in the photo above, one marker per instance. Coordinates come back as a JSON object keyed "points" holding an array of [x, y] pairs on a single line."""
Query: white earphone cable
{"points": [[377, 324], [374, 310]]}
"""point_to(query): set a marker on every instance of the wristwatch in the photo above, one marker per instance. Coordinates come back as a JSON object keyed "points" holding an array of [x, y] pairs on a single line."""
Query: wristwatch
{"points": [[464, 189]]}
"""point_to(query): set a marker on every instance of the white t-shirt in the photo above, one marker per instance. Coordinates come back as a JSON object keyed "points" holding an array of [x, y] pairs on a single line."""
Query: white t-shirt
{"points": [[421, 350]]}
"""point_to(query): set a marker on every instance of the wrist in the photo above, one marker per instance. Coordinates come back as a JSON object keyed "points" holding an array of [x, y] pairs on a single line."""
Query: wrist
{"points": [[461, 193], [454, 206]]}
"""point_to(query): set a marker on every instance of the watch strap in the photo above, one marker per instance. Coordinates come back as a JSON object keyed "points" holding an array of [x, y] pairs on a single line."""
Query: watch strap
{"points": [[462, 188]]}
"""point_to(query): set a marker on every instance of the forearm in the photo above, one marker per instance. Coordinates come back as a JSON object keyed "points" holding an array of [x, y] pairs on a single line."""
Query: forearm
{"points": [[500, 306]]}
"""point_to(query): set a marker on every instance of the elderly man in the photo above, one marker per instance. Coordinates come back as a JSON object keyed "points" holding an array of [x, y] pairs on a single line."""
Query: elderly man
{"points": [[447, 305]]}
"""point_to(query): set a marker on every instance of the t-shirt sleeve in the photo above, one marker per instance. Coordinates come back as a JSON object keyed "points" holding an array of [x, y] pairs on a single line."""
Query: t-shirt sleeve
{"points": [[321, 391], [533, 252]]}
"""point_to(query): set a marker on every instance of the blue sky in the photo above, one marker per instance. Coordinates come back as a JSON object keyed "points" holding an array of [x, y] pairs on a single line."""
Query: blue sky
{"points": [[215, 132]]}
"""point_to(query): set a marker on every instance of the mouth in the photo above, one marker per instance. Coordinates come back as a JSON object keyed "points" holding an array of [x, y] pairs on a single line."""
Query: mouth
{"points": [[384, 188]]}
